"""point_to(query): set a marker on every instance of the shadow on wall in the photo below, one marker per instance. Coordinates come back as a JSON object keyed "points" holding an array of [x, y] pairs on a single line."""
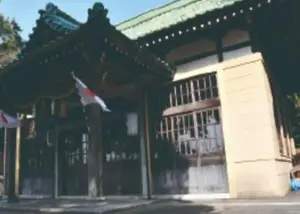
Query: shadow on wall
{"points": [[167, 165], [183, 163], [169, 168]]}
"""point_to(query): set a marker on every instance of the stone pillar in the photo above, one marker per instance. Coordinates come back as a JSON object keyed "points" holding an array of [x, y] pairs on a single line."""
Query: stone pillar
{"points": [[95, 151]]}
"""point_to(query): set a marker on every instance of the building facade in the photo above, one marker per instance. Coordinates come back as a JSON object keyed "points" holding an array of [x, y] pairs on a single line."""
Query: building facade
{"points": [[227, 112], [219, 128]]}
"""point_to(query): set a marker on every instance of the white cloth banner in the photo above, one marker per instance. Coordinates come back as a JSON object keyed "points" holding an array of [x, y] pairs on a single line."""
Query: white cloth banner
{"points": [[7, 121], [87, 97]]}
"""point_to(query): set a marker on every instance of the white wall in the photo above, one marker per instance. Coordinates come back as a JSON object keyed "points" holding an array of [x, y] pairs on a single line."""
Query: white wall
{"points": [[233, 37]]}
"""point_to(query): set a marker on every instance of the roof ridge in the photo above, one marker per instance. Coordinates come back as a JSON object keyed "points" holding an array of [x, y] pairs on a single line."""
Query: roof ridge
{"points": [[51, 15], [53, 9], [184, 3]]}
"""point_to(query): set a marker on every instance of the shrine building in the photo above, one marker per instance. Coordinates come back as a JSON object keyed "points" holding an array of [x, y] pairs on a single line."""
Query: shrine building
{"points": [[198, 98]]}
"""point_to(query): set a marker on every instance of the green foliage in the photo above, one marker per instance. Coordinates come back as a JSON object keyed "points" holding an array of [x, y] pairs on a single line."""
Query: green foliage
{"points": [[10, 39], [296, 119]]}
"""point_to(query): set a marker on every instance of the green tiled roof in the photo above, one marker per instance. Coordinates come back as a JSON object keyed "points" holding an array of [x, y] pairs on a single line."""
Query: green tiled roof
{"points": [[56, 27], [55, 19], [173, 13]]}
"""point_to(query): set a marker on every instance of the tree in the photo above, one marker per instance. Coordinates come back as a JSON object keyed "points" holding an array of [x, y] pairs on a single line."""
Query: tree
{"points": [[295, 98], [10, 39]]}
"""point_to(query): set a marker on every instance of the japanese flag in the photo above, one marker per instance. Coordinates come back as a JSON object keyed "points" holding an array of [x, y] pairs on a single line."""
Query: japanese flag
{"points": [[7, 121], [87, 97]]}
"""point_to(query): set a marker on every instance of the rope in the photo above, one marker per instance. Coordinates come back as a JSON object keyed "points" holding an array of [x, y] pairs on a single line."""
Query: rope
{"points": [[46, 97]]}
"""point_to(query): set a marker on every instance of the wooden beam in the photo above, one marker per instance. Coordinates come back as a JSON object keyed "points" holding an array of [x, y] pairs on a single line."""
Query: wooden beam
{"points": [[191, 107], [129, 91]]}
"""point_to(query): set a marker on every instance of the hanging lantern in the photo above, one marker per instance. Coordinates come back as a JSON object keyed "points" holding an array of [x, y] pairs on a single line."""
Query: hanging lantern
{"points": [[132, 124], [53, 107], [63, 109]]}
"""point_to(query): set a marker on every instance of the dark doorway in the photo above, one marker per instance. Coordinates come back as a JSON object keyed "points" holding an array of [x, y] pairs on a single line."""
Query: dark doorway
{"points": [[73, 161], [122, 169]]}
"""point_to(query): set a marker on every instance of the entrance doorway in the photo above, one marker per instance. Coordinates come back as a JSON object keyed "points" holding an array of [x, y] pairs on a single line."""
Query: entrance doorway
{"points": [[121, 152], [122, 169], [73, 161]]}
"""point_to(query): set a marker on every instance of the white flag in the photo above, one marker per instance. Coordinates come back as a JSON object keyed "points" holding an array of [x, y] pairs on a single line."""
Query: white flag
{"points": [[87, 97], [7, 121]]}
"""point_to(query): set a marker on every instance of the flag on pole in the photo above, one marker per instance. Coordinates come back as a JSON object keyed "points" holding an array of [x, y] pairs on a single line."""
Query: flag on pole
{"points": [[88, 97], [7, 121]]}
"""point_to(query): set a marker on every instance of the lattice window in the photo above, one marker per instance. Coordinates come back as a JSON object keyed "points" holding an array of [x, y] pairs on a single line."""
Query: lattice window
{"points": [[32, 123], [189, 136], [195, 130], [72, 153], [210, 131], [194, 133], [84, 148], [205, 87], [201, 88], [181, 94]]}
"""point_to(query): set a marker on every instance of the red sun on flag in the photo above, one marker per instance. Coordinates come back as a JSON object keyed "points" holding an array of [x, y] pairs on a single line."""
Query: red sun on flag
{"points": [[89, 92], [3, 118]]}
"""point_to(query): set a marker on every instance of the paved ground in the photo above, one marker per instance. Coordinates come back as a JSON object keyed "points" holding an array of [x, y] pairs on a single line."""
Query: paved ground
{"points": [[216, 208], [266, 206], [46, 206]]}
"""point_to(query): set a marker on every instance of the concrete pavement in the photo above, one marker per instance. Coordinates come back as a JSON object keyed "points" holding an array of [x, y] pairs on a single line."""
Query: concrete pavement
{"points": [[287, 205], [215, 208], [44, 206]]}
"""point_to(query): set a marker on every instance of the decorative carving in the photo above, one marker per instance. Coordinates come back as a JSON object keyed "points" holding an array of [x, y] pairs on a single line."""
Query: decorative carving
{"points": [[102, 57], [103, 79], [98, 11], [51, 8]]}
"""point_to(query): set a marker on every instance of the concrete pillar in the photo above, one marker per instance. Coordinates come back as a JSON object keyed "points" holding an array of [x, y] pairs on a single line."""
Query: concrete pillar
{"points": [[255, 166]]}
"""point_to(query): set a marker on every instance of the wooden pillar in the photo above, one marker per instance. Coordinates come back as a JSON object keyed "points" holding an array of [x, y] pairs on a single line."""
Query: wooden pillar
{"points": [[145, 147], [12, 144], [95, 157], [56, 166], [252, 29], [17, 168], [6, 162], [95, 151]]}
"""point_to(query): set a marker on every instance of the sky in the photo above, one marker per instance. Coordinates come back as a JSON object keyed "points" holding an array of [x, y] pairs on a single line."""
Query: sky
{"points": [[25, 12]]}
